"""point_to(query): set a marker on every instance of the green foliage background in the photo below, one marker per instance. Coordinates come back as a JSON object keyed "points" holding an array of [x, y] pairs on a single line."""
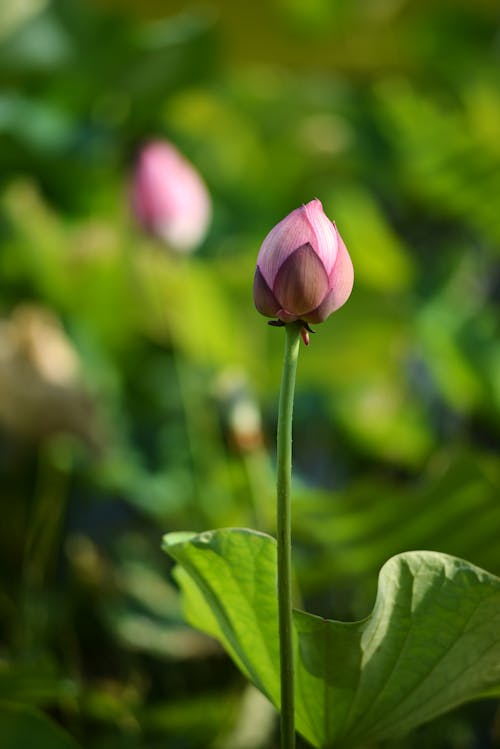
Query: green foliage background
{"points": [[132, 381]]}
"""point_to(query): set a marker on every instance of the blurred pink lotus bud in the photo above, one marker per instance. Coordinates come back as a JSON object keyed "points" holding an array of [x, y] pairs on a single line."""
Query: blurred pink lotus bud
{"points": [[304, 271], [169, 198]]}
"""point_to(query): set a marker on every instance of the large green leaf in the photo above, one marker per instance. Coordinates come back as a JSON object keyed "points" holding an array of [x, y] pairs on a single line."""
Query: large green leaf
{"points": [[431, 642]]}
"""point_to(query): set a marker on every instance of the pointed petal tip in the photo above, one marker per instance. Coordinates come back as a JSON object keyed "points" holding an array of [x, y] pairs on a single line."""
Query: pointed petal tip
{"points": [[315, 204], [302, 281]]}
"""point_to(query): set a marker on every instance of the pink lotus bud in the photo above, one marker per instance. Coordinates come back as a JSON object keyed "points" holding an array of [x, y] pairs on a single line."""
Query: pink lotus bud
{"points": [[169, 198], [304, 271]]}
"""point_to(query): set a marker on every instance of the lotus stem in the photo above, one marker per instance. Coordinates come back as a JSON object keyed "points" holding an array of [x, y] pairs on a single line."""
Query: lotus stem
{"points": [[284, 485]]}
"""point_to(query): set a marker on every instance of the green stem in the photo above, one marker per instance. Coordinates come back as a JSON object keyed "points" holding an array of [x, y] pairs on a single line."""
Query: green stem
{"points": [[284, 485]]}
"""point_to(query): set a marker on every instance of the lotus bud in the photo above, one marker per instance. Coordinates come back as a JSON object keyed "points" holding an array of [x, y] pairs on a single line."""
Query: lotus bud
{"points": [[169, 198], [304, 271]]}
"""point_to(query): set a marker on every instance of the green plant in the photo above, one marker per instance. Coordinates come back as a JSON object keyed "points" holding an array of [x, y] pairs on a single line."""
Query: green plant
{"points": [[432, 640]]}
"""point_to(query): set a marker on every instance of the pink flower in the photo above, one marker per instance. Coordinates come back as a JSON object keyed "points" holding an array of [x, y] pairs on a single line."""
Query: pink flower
{"points": [[169, 198], [304, 271]]}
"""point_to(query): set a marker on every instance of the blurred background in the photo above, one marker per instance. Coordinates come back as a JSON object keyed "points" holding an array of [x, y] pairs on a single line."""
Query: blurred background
{"points": [[138, 386]]}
